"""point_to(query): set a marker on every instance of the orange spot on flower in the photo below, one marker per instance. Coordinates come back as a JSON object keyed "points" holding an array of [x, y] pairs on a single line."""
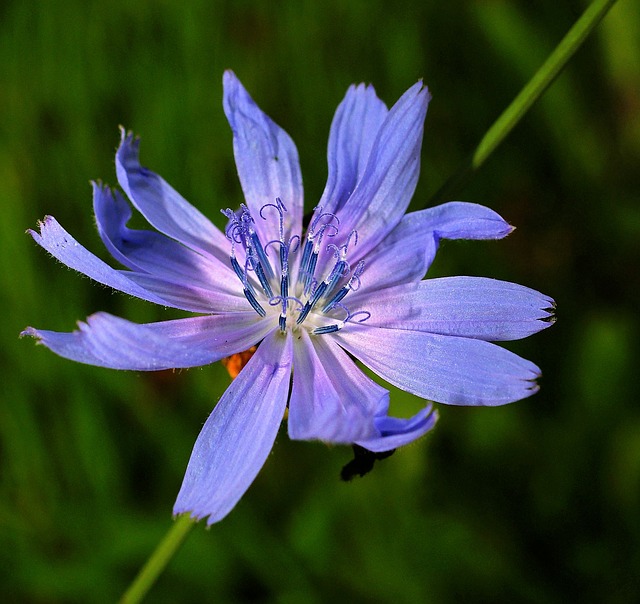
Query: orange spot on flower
{"points": [[236, 362]]}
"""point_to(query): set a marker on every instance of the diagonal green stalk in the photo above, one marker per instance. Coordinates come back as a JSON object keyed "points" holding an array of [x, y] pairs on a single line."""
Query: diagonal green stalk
{"points": [[162, 555], [534, 89]]}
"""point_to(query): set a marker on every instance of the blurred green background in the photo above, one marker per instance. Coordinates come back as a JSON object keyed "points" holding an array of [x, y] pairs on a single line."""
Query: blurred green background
{"points": [[535, 502]]}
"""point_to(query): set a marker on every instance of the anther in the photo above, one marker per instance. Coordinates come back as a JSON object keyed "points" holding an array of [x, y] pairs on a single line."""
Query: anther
{"points": [[259, 271], [328, 329], [256, 246], [341, 269], [317, 294], [254, 303], [304, 263]]}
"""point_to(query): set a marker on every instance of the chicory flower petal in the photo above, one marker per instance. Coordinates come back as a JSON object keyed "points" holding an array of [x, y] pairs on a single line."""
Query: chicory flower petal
{"points": [[349, 284]]}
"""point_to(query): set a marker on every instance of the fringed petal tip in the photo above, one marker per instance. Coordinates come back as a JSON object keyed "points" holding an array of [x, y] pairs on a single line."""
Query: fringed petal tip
{"points": [[30, 332], [162, 206], [530, 383], [50, 235], [418, 88], [501, 229], [229, 76], [470, 307], [550, 316], [424, 89], [128, 159], [97, 186], [465, 220], [533, 387], [41, 224], [481, 223], [128, 137]]}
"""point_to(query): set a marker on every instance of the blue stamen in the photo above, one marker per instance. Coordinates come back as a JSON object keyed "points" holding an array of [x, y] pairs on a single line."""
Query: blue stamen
{"points": [[279, 299], [341, 269], [325, 329], [236, 267], [254, 303], [281, 209], [355, 314], [319, 217], [317, 294], [336, 299], [355, 277], [262, 256], [304, 263], [303, 313], [284, 266], [284, 281], [263, 280], [240, 231], [313, 261]]}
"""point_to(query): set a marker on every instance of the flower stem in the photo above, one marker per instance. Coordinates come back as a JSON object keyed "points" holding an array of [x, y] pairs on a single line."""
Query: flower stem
{"points": [[162, 555], [534, 89]]}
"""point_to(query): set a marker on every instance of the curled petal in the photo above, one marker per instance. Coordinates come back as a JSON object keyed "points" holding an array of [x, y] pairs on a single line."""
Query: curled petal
{"points": [[407, 252], [332, 400], [239, 434], [444, 369], [462, 220], [471, 307], [109, 341], [267, 161], [162, 206], [394, 432]]}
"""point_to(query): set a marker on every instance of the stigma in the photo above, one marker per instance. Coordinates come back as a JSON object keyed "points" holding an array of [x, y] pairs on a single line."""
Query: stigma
{"points": [[300, 281]]}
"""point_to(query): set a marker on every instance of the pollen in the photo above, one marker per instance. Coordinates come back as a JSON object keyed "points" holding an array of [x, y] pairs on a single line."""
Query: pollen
{"points": [[236, 362]]}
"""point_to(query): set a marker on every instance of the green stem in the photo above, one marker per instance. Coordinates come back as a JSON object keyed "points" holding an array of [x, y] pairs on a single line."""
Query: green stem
{"points": [[534, 89], [164, 552]]}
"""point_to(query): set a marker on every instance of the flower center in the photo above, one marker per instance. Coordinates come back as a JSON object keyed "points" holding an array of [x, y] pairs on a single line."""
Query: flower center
{"points": [[305, 282]]}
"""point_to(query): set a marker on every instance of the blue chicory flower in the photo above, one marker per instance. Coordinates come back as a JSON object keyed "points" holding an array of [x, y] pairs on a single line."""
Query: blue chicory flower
{"points": [[350, 285]]}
